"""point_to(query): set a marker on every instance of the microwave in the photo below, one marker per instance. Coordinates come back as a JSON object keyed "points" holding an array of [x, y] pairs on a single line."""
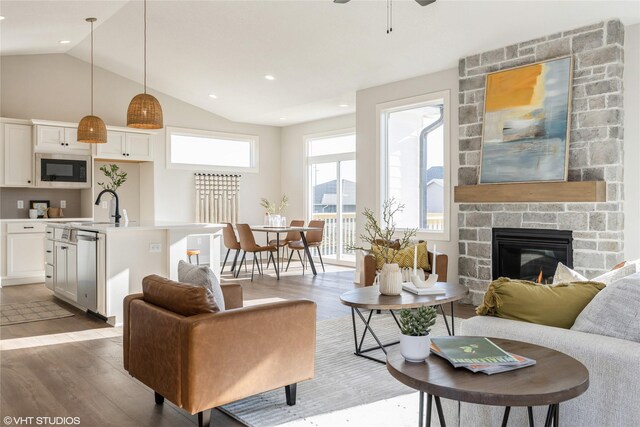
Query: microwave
{"points": [[63, 171]]}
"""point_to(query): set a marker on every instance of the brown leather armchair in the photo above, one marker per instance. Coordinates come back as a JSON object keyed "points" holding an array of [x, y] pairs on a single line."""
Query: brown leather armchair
{"points": [[369, 265], [207, 360]]}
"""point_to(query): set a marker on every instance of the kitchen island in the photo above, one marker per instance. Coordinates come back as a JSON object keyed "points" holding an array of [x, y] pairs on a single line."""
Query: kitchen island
{"points": [[127, 252]]}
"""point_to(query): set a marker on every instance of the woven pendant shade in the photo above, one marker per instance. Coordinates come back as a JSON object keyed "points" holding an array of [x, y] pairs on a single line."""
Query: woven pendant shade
{"points": [[144, 112], [92, 129]]}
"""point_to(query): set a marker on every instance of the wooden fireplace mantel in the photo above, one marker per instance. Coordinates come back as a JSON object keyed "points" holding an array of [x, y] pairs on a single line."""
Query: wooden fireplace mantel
{"points": [[574, 191]]}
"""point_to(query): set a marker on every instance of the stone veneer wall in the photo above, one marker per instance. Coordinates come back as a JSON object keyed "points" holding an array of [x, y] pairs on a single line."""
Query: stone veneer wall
{"points": [[595, 151]]}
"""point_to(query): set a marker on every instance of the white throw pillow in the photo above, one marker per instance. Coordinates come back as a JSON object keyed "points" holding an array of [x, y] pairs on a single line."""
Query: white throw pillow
{"points": [[615, 275], [201, 275], [564, 274]]}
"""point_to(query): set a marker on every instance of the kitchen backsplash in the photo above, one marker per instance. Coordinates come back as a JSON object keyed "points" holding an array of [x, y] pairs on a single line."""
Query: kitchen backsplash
{"points": [[9, 198]]}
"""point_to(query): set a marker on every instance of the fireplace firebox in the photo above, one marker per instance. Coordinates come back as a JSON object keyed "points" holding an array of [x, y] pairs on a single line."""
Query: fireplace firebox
{"points": [[530, 254]]}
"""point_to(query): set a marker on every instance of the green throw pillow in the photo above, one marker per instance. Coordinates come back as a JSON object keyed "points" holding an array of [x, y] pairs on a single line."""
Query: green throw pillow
{"points": [[550, 305]]}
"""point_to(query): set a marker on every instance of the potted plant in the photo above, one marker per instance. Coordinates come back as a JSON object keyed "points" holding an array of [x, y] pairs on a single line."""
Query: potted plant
{"points": [[381, 235], [116, 178], [415, 326]]}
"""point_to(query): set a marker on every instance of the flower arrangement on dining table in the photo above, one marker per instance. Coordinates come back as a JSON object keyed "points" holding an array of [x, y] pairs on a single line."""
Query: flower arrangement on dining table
{"points": [[272, 218]]}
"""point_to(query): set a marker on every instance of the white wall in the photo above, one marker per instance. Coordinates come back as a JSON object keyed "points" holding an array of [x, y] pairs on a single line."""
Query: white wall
{"points": [[293, 154], [56, 87], [632, 142], [367, 144]]}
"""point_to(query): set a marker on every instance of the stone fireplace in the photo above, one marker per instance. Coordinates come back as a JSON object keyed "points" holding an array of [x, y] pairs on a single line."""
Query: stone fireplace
{"points": [[530, 254], [595, 154]]}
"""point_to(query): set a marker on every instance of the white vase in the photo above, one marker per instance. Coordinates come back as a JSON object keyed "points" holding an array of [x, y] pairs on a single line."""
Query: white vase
{"points": [[415, 349], [390, 280]]}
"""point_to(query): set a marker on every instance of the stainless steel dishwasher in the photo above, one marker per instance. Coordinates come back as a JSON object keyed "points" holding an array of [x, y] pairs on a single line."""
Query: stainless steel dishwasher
{"points": [[87, 264]]}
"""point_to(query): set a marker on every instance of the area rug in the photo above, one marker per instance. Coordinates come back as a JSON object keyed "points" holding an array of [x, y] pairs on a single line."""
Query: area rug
{"points": [[34, 311], [342, 380]]}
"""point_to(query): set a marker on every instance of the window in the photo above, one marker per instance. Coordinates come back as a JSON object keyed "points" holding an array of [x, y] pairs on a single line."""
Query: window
{"points": [[331, 192], [415, 159], [199, 149]]}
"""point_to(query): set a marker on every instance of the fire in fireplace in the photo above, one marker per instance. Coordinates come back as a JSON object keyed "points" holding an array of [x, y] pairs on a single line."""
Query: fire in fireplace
{"points": [[530, 254]]}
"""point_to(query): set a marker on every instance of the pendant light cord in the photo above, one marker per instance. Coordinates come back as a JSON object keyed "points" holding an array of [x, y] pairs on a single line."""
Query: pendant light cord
{"points": [[145, 46], [92, 68]]}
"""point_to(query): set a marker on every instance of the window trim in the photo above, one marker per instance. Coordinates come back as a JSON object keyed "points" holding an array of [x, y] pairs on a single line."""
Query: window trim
{"points": [[253, 139], [381, 161]]}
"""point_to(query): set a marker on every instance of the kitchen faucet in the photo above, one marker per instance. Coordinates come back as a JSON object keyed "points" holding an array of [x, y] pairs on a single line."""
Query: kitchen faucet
{"points": [[117, 216]]}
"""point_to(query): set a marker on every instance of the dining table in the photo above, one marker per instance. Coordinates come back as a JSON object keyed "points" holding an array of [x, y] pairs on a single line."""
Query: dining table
{"points": [[285, 229]]}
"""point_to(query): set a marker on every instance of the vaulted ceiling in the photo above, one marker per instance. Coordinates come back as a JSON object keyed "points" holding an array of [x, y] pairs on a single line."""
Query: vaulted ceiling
{"points": [[319, 52]]}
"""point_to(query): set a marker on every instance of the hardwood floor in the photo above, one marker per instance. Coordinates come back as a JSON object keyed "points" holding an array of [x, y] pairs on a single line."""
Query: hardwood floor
{"points": [[86, 379], [26, 293]]}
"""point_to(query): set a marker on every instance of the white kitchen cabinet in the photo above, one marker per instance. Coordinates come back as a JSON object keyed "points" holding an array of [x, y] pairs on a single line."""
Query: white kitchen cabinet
{"points": [[48, 277], [126, 146], [114, 148], [72, 144], [59, 139], [66, 271], [139, 147], [25, 253], [17, 155], [49, 259]]}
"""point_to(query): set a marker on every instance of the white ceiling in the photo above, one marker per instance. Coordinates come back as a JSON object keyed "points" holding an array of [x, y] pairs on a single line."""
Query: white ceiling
{"points": [[321, 53]]}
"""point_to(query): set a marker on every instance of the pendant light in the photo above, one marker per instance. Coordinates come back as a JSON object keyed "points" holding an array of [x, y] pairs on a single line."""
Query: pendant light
{"points": [[91, 129], [144, 110]]}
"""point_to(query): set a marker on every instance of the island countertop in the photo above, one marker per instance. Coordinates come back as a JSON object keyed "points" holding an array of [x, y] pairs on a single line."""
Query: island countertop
{"points": [[110, 227]]}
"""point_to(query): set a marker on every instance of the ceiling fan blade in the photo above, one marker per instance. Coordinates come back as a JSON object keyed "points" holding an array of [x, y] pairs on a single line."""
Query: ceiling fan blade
{"points": [[424, 2], [341, 1]]}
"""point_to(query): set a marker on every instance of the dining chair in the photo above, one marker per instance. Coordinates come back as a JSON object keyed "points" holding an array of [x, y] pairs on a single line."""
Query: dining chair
{"points": [[248, 244], [291, 236], [232, 243], [314, 240]]}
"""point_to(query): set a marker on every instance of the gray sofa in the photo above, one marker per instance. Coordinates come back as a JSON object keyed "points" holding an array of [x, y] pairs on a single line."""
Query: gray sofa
{"points": [[613, 397]]}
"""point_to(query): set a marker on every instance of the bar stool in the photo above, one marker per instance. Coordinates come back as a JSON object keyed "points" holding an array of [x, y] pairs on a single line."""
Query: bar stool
{"points": [[195, 252]]}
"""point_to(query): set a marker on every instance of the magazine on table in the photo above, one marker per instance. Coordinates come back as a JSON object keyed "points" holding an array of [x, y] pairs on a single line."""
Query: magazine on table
{"points": [[477, 354]]}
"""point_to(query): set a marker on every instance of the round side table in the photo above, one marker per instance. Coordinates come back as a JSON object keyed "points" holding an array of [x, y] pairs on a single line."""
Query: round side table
{"points": [[555, 378]]}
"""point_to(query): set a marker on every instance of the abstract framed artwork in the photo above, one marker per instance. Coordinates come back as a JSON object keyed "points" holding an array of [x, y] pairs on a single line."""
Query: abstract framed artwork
{"points": [[527, 122]]}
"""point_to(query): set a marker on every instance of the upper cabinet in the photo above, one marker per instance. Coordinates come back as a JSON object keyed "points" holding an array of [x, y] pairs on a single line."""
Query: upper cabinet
{"points": [[126, 146], [58, 139], [17, 153]]}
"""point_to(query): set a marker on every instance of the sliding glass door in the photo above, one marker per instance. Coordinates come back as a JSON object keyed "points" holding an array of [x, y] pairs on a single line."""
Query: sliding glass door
{"points": [[332, 193]]}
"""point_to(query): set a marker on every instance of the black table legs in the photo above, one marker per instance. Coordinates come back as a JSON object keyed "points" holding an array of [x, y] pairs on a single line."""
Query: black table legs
{"points": [[308, 252], [552, 413], [368, 329]]}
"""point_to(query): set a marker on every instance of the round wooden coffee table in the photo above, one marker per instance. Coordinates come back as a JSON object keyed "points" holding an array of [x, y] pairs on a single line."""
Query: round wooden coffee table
{"points": [[369, 298], [555, 378]]}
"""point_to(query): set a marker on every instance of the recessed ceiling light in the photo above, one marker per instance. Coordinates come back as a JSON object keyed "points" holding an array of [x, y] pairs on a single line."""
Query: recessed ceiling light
{"points": [[343, 105], [213, 95], [283, 118], [269, 77], [64, 41], [1, 18]]}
